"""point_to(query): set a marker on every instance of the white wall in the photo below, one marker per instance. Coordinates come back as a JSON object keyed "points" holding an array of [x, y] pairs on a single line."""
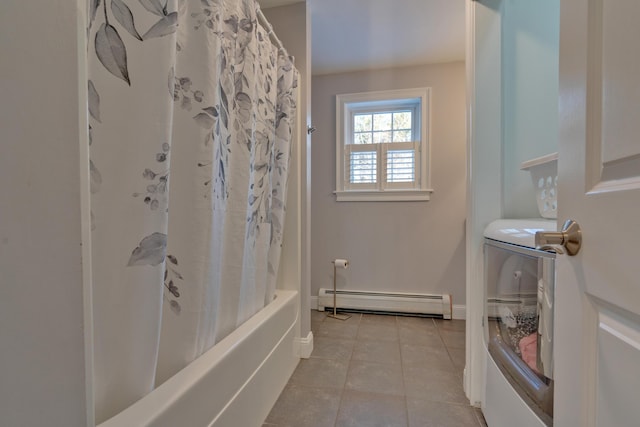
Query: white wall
{"points": [[530, 46], [393, 246], [44, 172]]}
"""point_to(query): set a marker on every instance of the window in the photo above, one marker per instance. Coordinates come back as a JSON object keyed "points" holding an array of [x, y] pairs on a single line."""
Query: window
{"points": [[382, 145]]}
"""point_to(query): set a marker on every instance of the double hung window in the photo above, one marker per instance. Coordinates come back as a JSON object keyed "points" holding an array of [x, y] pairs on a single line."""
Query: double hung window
{"points": [[382, 145]]}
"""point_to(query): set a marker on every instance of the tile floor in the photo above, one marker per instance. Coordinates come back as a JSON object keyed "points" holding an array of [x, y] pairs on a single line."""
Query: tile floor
{"points": [[379, 370]]}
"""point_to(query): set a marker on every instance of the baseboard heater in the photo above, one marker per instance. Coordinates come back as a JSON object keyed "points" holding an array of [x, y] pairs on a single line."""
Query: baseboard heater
{"points": [[386, 302]]}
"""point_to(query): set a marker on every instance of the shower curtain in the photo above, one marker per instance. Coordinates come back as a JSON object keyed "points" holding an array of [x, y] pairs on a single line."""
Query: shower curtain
{"points": [[191, 122]]}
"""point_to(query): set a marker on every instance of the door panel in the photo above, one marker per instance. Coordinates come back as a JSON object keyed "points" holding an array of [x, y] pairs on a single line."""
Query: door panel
{"points": [[618, 345], [598, 291], [614, 94], [621, 92]]}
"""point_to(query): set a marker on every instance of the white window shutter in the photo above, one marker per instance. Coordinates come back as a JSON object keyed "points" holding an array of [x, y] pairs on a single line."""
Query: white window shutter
{"points": [[401, 161], [361, 163]]}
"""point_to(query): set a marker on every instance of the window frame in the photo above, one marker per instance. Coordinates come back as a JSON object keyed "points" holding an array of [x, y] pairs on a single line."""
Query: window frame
{"points": [[347, 105]]}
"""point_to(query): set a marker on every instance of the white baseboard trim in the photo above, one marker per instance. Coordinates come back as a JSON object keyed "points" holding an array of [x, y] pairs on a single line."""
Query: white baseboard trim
{"points": [[459, 310], [305, 346]]}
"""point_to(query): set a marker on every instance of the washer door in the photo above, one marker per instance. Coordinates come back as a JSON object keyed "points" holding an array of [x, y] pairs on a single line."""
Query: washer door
{"points": [[519, 309]]}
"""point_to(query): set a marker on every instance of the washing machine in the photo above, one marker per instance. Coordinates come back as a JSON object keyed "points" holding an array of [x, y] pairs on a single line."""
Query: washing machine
{"points": [[518, 325]]}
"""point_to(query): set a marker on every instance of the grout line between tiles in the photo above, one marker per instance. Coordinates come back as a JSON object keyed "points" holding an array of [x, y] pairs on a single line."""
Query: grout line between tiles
{"points": [[358, 322]]}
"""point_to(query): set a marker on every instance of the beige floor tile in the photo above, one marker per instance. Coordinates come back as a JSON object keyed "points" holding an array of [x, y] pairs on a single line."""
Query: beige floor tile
{"points": [[317, 316], [450, 325], [336, 330], [375, 377], [360, 409], [313, 372], [420, 336], [425, 413], [377, 351], [332, 348], [379, 370], [354, 318], [375, 332], [425, 323], [378, 319], [314, 329], [453, 339], [424, 355], [458, 357], [433, 384], [300, 406]]}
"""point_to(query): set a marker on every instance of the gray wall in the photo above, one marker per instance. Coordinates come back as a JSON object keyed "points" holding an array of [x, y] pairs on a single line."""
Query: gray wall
{"points": [[393, 246], [44, 216]]}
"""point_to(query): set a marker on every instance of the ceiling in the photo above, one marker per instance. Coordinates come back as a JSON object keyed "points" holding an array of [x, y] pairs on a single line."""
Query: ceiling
{"points": [[349, 35]]}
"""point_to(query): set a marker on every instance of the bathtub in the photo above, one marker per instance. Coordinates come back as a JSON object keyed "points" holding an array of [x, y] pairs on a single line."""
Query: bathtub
{"points": [[233, 384]]}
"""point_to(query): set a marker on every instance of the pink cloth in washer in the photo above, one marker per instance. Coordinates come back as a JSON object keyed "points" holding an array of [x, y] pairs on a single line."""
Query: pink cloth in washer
{"points": [[529, 349]]}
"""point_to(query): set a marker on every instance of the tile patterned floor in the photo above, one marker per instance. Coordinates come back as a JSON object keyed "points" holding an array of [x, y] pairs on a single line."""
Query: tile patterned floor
{"points": [[378, 370]]}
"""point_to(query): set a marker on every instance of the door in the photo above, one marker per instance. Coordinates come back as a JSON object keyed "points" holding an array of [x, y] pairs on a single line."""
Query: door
{"points": [[597, 335]]}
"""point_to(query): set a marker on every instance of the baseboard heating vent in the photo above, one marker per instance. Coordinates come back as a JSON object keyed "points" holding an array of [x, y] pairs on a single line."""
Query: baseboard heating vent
{"points": [[400, 303]]}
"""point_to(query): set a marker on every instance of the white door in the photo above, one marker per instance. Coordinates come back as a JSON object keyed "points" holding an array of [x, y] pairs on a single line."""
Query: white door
{"points": [[597, 330]]}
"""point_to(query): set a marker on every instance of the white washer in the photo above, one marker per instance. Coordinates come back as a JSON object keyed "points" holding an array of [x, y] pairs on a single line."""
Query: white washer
{"points": [[518, 325]]}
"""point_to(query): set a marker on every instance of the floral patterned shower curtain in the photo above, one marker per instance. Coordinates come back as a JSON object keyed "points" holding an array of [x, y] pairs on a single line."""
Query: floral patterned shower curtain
{"points": [[192, 112]]}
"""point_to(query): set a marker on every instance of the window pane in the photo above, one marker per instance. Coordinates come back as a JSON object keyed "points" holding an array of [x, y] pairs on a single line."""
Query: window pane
{"points": [[382, 121], [402, 120], [379, 137], [402, 136], [400, 166], [362, 167], [362, 122], [362, 138]]}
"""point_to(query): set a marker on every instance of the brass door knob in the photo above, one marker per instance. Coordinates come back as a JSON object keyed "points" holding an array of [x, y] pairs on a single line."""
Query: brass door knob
{"points": [[570, 238]]}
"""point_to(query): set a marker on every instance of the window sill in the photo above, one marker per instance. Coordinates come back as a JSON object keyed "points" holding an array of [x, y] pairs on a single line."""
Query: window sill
{"points": [[383, 196]]}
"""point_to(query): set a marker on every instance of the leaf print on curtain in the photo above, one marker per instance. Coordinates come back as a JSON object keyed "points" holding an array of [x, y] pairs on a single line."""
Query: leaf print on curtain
{"points": [[280, 160], [191, 115], [229, 252], [130, 119]]}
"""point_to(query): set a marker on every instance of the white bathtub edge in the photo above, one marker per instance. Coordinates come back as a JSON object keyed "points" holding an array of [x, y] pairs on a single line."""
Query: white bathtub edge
{"points": [[272, 375], [149, 411]]}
